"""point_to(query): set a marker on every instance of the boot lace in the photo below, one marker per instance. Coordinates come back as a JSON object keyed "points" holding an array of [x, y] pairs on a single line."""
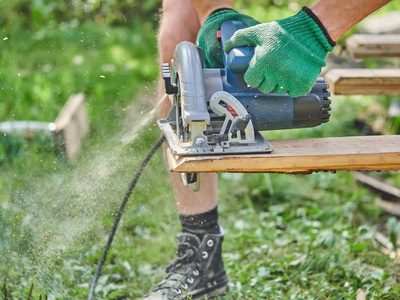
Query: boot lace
{"points": [[179, 269]]}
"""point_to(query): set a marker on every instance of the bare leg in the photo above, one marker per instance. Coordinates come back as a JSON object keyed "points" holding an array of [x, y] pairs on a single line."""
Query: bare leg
{"points": [[205, 7], [180, 22]]}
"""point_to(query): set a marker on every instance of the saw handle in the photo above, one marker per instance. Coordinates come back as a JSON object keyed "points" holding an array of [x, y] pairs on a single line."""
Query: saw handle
{"points": [[238, 59]]}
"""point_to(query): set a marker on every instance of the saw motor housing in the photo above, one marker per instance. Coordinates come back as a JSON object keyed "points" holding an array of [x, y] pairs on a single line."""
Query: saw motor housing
{"points": [[215, 112]]}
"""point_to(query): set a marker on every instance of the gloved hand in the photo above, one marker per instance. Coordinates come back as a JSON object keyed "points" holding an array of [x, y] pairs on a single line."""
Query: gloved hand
{"points": [[289, 53], [207, 37]]}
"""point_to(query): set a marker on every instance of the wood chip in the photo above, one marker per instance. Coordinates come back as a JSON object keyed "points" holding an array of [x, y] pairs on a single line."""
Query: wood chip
{"points": [[361, 295]]}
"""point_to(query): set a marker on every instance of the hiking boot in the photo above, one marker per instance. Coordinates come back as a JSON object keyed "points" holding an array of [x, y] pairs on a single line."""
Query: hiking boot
{"points": [[196, 272]]}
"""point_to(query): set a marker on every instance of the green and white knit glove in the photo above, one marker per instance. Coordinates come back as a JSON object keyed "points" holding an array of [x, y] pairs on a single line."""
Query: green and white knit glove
{"points": [[207, 37], [289, 53]]}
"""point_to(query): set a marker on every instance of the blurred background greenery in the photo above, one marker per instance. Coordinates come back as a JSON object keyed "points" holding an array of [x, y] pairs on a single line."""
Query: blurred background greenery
{"points": [[299, 237]]}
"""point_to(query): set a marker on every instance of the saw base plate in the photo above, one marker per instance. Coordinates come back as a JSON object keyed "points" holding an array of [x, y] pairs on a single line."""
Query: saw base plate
{"points": [[261, 145]]}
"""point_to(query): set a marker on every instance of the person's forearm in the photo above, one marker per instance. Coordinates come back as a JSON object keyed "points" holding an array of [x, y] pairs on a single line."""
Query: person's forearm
{"points": [[339, 16], [205, 7]]}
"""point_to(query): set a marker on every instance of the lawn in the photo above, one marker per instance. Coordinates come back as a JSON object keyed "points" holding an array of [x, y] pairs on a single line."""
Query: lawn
{"points": [[287, 236]]}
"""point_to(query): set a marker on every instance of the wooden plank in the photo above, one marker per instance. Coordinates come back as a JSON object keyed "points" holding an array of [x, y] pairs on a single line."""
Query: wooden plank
{"points": [[389, 207], [364, 81], [373, 45], [361, 295], [390, 195], [374, 153], [387, 191], [72, 125]]}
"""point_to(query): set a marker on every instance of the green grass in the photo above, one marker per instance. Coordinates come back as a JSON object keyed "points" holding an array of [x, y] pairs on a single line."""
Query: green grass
{"points": [[107, 64], [287, 236], [307, 242]]}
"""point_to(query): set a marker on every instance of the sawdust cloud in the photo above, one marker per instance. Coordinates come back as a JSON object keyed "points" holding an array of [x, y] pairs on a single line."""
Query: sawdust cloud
{"points": [[71, 206]]}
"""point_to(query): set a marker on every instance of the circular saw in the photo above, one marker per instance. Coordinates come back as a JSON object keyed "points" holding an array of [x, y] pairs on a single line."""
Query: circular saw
{"points": [[215, 112]]}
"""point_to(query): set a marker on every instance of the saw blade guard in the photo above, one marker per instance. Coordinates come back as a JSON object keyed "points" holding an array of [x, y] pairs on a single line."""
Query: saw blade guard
{"points": [[187, 74]]}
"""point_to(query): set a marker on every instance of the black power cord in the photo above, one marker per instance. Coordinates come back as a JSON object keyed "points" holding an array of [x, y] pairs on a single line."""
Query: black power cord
{"points": [[120, 212]]}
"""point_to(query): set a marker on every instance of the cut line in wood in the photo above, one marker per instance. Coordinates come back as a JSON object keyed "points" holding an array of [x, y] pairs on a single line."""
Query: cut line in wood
{"points": [[302, 156]]}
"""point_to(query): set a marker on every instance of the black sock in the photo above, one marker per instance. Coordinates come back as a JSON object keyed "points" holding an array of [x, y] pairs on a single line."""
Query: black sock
{"points": [[200, 224]]}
